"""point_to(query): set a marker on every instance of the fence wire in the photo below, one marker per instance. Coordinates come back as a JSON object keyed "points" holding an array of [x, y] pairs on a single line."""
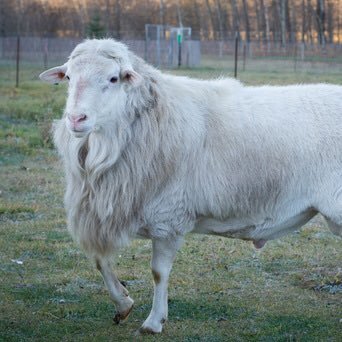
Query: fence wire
{"points": [[41, 52]]}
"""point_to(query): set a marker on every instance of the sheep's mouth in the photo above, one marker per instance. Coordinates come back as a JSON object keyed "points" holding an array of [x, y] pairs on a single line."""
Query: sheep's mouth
{"points": [[78, 131]]}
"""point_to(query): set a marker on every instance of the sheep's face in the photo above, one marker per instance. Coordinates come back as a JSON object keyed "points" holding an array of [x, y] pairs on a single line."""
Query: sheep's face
{"points": [[97, 91]]}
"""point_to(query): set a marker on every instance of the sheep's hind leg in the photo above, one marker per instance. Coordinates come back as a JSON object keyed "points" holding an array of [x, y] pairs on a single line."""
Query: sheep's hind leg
{"points": [[118, 293], [163, 255]]}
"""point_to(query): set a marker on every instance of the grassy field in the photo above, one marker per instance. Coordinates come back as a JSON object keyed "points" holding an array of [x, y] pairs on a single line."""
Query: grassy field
{"points": [[220, 289]]}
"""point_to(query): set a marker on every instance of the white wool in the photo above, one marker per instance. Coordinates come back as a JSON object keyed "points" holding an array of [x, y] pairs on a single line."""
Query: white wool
{"points": [[152, 155], [170, 155]]}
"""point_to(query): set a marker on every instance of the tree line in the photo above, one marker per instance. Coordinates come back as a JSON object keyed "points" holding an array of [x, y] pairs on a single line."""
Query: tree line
{"points": [[284, 21]]}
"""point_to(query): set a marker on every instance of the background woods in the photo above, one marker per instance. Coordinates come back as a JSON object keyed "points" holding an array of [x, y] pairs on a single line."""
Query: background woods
{"points": [[284, 21]]}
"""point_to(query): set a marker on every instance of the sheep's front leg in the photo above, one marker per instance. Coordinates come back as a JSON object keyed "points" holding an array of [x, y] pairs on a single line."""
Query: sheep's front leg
{"points": [[163, 255], [118, 293]]}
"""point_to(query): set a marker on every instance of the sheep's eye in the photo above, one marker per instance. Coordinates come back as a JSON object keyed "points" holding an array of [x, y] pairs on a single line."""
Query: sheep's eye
{"points": [[113, 79], [68, 78]]}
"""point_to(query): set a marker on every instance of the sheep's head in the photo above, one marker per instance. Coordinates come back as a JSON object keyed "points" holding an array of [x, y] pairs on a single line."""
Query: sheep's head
{"points": [[100, 75]]}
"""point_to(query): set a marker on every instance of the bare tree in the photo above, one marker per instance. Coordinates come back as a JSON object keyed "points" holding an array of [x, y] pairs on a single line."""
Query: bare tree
{"points": [[320, 18], [8, 15], [303, 26], [212, 19], [236, 18], [161, 12], [264, 21], [118, 19], [281, 8], [197, 17], [219, 18], [226, 19], [108, 17], [179, 14], [330, 22], [258, 19], [80, 10], [247, 25], [291, 20], [267, 26], [338, 15], [310, 13]]}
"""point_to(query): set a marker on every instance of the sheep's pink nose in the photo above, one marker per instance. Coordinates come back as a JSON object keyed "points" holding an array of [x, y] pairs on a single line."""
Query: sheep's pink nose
{"points": [[77, 118]]}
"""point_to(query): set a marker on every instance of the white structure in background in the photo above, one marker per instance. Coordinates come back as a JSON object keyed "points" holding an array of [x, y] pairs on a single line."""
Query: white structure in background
{"points": [[168, 46]]}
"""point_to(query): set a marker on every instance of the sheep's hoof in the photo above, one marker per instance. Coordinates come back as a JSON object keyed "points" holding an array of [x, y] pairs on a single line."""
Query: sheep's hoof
{"points": [[146, 331], [121, 317], [151, 328]]}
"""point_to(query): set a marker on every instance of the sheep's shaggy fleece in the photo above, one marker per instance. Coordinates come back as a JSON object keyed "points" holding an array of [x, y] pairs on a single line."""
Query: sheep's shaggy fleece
{"points": [[159, 155]]}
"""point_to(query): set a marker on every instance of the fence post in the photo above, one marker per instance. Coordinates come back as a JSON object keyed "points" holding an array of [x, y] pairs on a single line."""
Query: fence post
{"points": [[236, 54], [179, 40], [17, 62]]}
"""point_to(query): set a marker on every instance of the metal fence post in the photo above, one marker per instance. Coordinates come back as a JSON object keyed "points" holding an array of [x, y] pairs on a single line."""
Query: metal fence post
{"points": [[179, 40]]}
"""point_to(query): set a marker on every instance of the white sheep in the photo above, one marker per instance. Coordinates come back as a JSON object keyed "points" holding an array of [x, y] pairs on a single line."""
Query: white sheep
{"points": [[157, 156]]}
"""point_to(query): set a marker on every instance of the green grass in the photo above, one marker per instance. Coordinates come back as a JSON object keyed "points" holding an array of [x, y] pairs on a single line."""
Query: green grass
{"points": [[220, 289]]}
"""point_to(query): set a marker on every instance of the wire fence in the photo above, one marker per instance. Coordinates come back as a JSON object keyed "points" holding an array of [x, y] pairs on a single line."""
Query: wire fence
{"points": [[42, 52], [270, 57], [257, 49]]}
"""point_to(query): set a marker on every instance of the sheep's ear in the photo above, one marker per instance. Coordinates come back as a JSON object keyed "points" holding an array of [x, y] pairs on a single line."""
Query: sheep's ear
{"points": [[132, 77], [54, 75]]}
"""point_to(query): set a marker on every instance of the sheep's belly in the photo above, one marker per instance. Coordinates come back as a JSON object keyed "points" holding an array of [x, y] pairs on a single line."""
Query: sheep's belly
{"points": [[246, 229]]}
